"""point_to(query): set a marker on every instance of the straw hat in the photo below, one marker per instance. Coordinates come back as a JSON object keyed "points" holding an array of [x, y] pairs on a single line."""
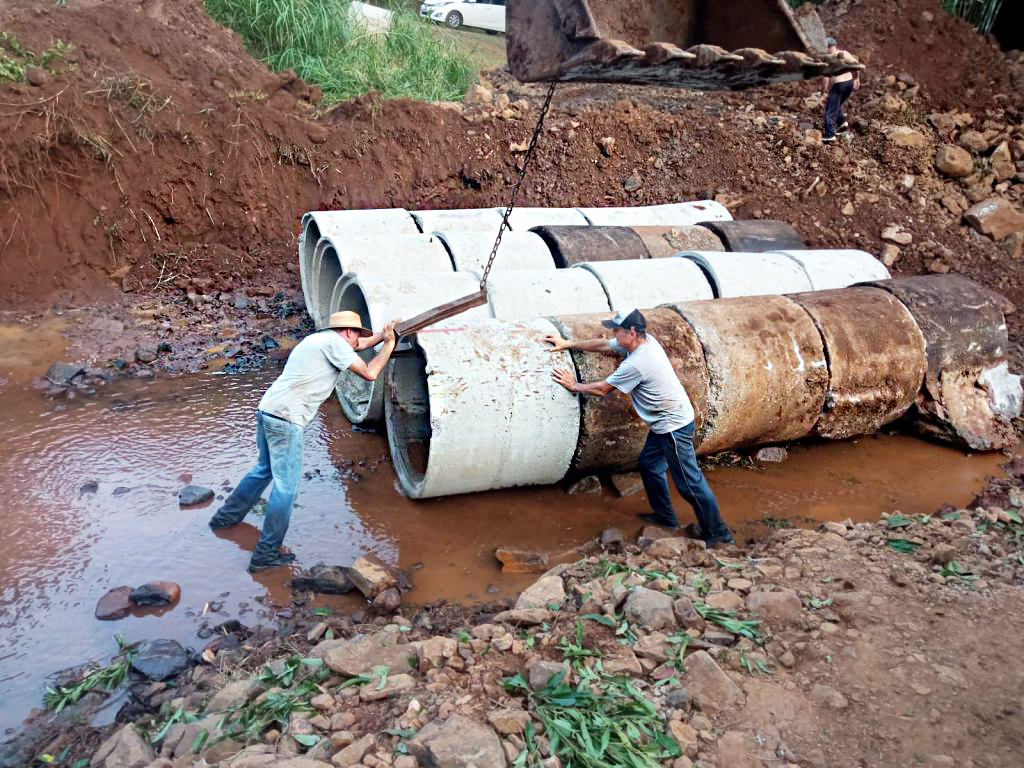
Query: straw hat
{"points": [[348, 319]]}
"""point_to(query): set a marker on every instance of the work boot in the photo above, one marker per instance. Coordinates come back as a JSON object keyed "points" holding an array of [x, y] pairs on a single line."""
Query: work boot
{"points": [[720, 541], [672, 525], [255, 566], [694, 531], [222, 521]]}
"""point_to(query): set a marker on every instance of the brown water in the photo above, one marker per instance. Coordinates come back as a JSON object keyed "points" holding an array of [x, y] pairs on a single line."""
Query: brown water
{"points": [[62, 548]]}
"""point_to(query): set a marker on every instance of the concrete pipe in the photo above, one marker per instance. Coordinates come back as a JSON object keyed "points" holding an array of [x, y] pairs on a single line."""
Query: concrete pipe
{"points": [[524, 294], [469, 251], [665, 242], [766, 368], [750, 274], [611, 434], [342, 255], [648, 283], [380, 298], [464, 220], [669, 215], [969, 395], [575, 245], [830, 269], [755, 235], [525, 219], [475, 408], [317, 224], [876, 358]]}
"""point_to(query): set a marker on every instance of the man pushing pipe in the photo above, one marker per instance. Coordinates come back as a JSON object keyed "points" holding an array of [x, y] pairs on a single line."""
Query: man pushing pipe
{"points": [[660, 400], [287, 407]]}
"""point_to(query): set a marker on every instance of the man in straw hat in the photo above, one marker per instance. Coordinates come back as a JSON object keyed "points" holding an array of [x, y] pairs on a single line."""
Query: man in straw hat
{"points": [[660, 400], [290, 403]]}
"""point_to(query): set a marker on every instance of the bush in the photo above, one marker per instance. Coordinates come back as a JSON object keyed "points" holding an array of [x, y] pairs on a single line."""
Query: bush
{"points": [[326, 46]]}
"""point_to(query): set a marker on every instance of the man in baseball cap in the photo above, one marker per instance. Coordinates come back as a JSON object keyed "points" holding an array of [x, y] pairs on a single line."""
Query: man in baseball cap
{"points": [[660, 400], [288, 406]]}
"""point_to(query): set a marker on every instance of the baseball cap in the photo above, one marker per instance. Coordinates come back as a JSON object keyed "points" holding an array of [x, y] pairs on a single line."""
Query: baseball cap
{"points": [[627, 319], [830, 42]]}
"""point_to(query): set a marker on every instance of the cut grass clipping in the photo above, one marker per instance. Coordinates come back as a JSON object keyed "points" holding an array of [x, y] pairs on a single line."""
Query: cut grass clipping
{"points": [[328, 46]]}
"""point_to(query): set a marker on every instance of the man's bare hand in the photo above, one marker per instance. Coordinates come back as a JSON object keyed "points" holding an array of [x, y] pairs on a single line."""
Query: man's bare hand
{"points": [[557, 343], [388, 334], [565, 378]]}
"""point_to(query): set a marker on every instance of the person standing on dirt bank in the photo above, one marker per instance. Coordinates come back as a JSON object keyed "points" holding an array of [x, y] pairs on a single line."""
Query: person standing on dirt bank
{"points": [[287, 407], [660, 400], [834, 93]]}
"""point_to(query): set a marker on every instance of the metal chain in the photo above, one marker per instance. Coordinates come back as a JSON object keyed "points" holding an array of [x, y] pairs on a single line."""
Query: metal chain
{"points": [[519, 183]]}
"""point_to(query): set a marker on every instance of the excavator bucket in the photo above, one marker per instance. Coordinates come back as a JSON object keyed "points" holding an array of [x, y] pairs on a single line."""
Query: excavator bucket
{"points": [[697, 44]]}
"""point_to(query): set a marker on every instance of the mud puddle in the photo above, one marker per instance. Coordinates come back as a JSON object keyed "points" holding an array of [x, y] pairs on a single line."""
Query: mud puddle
{"points": [[67, 541]]}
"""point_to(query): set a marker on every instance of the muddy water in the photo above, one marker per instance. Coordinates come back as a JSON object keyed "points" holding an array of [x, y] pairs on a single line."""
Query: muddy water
{"points": [[64, 545]]}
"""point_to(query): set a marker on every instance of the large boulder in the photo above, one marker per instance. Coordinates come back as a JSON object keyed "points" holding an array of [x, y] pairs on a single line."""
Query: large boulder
{"points": [[125, 749], [371, 575], [116, 604], [546, 591], [650, 609], [458, 742], [160, 659], [360, 654], [325, 580], [782, 606], [706, 682], [996, 218], [954, 161]]}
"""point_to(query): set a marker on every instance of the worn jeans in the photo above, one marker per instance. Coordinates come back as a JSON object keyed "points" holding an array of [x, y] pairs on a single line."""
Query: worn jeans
{"points": [[834, 117], [673, 452], [280, 460]]}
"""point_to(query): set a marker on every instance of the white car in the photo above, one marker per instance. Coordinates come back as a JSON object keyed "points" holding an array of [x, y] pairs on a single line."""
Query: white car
{"points": [[485, 14]]}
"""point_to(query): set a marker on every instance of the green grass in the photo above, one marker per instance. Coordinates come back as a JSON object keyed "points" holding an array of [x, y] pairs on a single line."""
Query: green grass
{"points": [[319, 40], [15, 58]]}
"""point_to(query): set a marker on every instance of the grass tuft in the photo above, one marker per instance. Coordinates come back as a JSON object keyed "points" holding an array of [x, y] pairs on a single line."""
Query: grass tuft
{"points": [[326, 46]]}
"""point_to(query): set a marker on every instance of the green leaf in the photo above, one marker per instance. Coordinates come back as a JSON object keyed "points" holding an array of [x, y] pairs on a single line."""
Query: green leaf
{"points": [[82, 762], [1014, 516], [46, 758], [516, 682], [306, 739], [899, 521], [402, 733], [200, 740], [322, 611], [599, 619], [903, 545], [816, 603]]}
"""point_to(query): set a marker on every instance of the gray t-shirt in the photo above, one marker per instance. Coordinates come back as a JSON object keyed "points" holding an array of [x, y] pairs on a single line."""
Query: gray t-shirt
{"points": [[308, 378], [647, 376]]}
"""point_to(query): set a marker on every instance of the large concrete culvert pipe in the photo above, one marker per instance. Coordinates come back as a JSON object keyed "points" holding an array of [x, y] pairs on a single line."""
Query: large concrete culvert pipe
{"points": [[525, 219], [469, 251], [876, 358], [574, 245], [838, 268], [611, 434], [667, 215], [750, 274], [665, 242], [475, 408], [458, 220], [541, 293], [336, 256], [380, 298], [755, 235], [648, 283], [354, 223], [969, 396]]}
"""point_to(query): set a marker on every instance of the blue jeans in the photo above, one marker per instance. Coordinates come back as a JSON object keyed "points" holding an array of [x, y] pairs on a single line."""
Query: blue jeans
{"points": [[834, 117], [673, 452], [280, 460]]}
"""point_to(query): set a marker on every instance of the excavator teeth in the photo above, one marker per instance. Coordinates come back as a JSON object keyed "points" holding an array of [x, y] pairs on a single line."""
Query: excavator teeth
{"points": [[801, 62], [602, 53], [709, 56], [754, 58], [662, 53]]}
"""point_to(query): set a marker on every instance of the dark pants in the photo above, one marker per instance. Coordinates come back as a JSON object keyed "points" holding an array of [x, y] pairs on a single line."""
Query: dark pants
{"points": [[673, 452], [834, 117]]}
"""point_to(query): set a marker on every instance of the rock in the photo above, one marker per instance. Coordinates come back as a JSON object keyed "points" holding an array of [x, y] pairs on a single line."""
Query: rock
{"points": [[686, 614], [944, 122], [772, 454], [234, 694], [650, 534], [701, 723], [478, 94], [902, 136], [458, 742], [996, 218], [611, 538], [545, 592], [706, 681], [531, 616], [540, 671], [650, 609], [360, 654], [435, 652], [521, 560], [895, 234], [371, 575], [736, 750], [826, 695], [848, 209], [606, 145], [181, 736], [387, 602], [654, 646], [194, 494], [324, 580], [116, 604], [160, 659], [690, 552], [678, 698], [145, 355], [973, 141], [954, 161], [1013, 246], [685, 736], [787, 659], [954, 202], [943, 553], [890, 254], [355, 752], [507, 721], [125, 749], [37, 76], [724, 601], [812, 137], [393, 685], [937, 266], [61, 374], [156, 593], [782, 606], [585, 485], [627, 483], [1002, 162], [632, 183], [892, 103]]}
